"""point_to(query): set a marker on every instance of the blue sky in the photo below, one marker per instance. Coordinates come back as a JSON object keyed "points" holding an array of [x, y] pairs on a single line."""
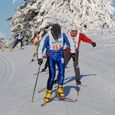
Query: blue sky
{"points": [[7, 9]]}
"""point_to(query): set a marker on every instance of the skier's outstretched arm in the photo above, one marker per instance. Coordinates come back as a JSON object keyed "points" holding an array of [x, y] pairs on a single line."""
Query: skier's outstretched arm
{"points": [[84, 38]]}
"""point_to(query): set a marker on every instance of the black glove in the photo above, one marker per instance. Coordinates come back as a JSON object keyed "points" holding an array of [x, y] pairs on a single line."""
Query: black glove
{"points": [[73, 55], [93, 44], [40, 61]]}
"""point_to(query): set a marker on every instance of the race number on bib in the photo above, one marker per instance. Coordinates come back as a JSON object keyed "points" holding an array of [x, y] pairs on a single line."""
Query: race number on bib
{"points": [[56, 47]]}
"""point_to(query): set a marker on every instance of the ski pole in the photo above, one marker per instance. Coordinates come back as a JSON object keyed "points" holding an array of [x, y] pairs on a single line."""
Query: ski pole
{"points": [[35, 84]]}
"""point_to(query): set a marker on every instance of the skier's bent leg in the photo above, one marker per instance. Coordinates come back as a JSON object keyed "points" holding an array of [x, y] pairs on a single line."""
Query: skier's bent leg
{"points": [[61, 73], [61, 69], [50, 80], [76, 69], [52, 71], [67, 58], [15, 43], [21, 43]]}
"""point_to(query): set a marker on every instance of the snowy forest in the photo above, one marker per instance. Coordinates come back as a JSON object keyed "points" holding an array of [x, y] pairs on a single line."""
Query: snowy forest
{"points": [[86, 15]]}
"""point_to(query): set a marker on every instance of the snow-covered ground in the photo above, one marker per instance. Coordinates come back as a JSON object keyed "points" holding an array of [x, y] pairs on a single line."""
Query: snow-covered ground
{"points": [[97, 71]]}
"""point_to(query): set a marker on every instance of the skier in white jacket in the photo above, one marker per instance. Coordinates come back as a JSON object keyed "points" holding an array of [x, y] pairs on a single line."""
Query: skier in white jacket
{"points": [[75, 38]]}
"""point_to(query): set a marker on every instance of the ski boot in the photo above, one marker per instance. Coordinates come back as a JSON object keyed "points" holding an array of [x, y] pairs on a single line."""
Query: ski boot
{"points": [[60, 91], [48, 96], [78, 82]]}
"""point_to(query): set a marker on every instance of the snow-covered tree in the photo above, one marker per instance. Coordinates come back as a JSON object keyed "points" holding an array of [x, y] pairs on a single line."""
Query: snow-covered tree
{"points": [[86, 15]]}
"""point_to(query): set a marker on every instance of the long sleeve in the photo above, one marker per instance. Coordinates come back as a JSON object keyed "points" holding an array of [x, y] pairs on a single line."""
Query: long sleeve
{"points": [[85, 38], [42, 46], [66, 41]]}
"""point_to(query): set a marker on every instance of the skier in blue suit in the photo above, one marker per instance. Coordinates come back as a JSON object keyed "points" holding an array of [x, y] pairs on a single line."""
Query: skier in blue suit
{"points": [[53, 44]]}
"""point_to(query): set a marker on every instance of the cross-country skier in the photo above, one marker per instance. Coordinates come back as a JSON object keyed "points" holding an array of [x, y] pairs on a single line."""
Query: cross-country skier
{"points": [[19, 37], [75, 38], [54, 43], [36, 42]]}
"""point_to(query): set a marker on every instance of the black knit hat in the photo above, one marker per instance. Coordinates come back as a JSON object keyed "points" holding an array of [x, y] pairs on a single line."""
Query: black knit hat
{"points": [[56, 29]]}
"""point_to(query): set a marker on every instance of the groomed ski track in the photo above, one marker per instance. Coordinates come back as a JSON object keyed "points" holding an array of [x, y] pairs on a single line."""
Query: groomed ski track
{"points": [[97, 67]]}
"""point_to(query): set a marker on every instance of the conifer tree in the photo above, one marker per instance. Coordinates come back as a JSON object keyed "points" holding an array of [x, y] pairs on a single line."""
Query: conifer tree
{"points": [[86, 15]]}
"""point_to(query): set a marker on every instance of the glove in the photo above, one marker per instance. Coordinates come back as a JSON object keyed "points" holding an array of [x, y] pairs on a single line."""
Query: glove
{"points": [[40, 61], [73, 55], [93, 44]]}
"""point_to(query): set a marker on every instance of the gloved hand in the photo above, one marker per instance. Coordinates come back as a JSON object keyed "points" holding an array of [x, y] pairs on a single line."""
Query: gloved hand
{"points": [[93, 44], [40, 61], [73, 55]]}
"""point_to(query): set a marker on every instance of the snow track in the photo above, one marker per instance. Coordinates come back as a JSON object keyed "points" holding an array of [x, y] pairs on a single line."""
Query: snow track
{"points": [[97, 67], [5, 69]]}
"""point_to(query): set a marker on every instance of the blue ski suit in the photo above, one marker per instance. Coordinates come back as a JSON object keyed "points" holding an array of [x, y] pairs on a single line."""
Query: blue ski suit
{"points": [[54, 52]]}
